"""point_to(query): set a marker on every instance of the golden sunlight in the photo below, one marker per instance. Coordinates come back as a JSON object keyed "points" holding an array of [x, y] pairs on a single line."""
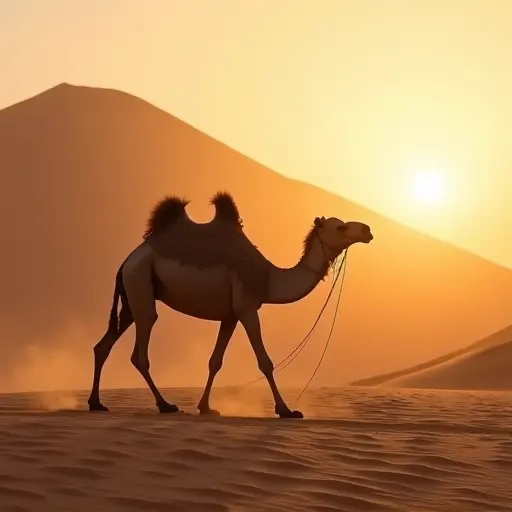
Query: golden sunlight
{"points": [[428, 187]]}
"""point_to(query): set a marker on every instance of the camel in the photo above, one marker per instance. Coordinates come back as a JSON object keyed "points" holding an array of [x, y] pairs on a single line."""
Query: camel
{"points": [[212, 271]]}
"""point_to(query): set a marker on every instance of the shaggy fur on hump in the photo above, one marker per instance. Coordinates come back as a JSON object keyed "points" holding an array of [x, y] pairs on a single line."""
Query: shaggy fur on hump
{"points": [[225, 207], [171, 208], [165, 211]]}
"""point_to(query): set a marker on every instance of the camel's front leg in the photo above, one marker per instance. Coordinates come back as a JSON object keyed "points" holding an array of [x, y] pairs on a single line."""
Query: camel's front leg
{"points": [[226, 330], [251, 322]]}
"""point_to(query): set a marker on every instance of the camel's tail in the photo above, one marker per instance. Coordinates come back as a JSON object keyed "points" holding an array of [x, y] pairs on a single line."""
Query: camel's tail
{"points": [[119, 292]]}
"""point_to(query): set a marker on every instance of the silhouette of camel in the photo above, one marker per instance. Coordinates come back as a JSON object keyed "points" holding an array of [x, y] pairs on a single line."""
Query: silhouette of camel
{"points": [[212, 271]]}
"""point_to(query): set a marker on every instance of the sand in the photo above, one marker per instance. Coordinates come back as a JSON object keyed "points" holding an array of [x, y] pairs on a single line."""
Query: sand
{"points": [[361, 449]]}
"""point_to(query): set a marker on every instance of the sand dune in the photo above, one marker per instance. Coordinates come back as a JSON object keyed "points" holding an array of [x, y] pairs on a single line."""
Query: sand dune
{"points": [[484, 365], [437, 451], [484, 369], [88, 164]]}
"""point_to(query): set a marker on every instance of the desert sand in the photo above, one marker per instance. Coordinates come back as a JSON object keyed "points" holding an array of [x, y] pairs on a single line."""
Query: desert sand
{"points": [[360, 449]]}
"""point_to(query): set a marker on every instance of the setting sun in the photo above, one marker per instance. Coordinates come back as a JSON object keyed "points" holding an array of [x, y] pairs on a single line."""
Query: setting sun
{"points": [[428, 187]]}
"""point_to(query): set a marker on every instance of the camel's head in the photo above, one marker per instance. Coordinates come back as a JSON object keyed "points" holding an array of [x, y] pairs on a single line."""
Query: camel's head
{"points": [[337, 235]]}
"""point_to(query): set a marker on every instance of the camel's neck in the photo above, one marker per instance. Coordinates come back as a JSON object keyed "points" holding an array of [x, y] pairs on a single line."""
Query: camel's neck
{"points": [[288, 285]]}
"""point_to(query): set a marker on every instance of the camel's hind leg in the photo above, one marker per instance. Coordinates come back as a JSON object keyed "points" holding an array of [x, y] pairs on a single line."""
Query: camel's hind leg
{"points": [[143, 325], [138, 284], [102, 350]]}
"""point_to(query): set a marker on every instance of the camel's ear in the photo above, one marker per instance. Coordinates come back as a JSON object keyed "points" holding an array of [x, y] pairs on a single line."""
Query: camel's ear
{"points": [[319, 222]]}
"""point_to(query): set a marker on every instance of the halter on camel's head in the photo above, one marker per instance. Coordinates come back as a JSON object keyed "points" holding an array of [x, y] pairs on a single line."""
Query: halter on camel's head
{"points": [[336, 235]]}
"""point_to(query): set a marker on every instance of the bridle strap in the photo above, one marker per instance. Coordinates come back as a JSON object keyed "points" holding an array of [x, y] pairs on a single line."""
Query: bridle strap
{"points": [[327, 260]]}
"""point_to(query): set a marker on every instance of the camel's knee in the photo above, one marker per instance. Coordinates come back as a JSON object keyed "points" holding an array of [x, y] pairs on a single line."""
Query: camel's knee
{"points": [[141, 365], [139, 357], [215, 363], [144, 323], [265, 365], [104, 346], [140, 360]]}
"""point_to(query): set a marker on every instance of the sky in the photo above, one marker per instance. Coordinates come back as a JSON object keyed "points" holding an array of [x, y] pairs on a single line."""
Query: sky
{"points": [[359, 97]]}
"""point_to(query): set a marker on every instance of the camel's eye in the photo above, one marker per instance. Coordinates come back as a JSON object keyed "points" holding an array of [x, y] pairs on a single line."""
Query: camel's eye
{"points": [[344, 227]]}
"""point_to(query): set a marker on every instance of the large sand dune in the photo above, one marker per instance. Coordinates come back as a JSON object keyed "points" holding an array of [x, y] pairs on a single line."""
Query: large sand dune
{"points": [[82, 167], [484, 365], [363, 451]]}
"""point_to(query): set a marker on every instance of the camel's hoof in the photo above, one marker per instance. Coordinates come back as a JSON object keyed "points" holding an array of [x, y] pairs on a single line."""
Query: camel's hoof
{"points": [[287, 413], [209, 412], [97, 406], [166, 408]]}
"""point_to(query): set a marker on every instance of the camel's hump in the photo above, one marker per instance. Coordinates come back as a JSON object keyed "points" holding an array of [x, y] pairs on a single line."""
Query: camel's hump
{"points": [[166, 211], [225, 207], [171, 208], [221, 242]]}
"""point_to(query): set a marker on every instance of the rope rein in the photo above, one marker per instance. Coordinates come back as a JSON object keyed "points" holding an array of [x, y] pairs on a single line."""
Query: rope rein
{"points": [[300, 347], [343, 266]]}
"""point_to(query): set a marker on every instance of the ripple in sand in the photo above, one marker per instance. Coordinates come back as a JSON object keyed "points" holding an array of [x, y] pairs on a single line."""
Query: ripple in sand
{"points": [[412, 480], [164, 506], [110, 454], [195, 455], [208, 495], [442, 462], [69, 491], [157, 475], [6, 478], [336, 449], [29, 443], [270, 452], [247, 489], [14, 492], [173, 465], [501, 463], [271, 478], [50, 452], [74, 472], [466, 503], [281, 466], [348, 504], [323, 508], [344, 502], [506, 445], [343, 486], [20, 457], [97, 462]]}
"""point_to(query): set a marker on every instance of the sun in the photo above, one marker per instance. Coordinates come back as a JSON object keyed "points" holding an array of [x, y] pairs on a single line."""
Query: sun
{"points": [[428, 187]]}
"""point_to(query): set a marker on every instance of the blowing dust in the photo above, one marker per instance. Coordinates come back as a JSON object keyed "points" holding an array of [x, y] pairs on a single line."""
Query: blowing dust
{"points": [[242, 406], [257, 402], [50, 373], [56, 401], [49, 365]]}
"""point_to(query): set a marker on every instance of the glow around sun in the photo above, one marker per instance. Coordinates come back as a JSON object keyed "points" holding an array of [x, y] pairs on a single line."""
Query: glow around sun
{"points": [[428, 187]]}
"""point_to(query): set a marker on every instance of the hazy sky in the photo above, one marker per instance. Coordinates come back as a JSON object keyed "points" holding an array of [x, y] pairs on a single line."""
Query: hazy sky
{"points": [[356, 96]]}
